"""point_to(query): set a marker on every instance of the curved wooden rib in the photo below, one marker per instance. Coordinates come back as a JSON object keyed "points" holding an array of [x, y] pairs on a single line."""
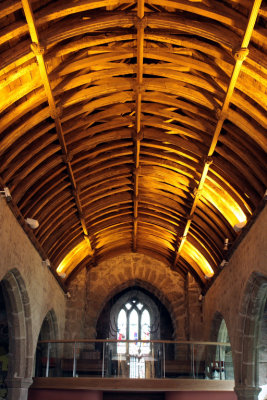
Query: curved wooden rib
{"points": [[139, 97]]}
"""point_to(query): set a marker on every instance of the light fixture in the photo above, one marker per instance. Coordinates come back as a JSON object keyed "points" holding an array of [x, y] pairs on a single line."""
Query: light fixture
{"points": [[68, 295], [6, 193], [46, 263], [239, 226], [33, 223], [223, 263], [265, 195], [226, 244], [62, 275]]}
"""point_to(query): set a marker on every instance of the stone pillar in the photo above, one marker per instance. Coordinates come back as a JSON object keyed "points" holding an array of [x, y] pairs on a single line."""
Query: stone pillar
{"points": [[247, 392], [18, 388]]}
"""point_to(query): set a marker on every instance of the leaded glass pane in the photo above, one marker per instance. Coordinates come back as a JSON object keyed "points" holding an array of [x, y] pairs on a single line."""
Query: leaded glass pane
{"points": [[121, 333], [145, 331]]}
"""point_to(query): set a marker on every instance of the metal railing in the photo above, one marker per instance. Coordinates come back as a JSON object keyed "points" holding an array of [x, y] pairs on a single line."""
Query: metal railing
{"points": [[140, 359]]}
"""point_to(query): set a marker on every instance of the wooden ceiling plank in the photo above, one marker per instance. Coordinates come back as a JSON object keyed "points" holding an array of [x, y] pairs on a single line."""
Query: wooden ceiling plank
{"points": [[39, 50], [240, 56], [9, 6]]}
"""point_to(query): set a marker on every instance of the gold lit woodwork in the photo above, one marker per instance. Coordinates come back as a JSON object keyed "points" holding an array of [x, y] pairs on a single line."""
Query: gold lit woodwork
{"points": [[74, 257], [191, 253], [223, 201]]}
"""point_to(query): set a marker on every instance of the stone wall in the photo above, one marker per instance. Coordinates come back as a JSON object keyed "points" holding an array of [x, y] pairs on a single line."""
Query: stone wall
{"points": [[238, 294], [116, 274], [22, 271]]}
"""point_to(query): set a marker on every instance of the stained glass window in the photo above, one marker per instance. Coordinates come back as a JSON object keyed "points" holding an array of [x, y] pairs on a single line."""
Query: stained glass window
{"points": [[133, 323]]}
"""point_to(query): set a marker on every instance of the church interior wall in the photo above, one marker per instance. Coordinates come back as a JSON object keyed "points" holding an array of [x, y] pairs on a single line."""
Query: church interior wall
{"points": [[237, 294], [92, 288], [20, 259]]}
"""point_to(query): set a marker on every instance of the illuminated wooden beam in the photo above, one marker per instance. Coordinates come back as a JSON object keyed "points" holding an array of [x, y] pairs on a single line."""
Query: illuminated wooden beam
{"points": [[55, 112], [240, 55], [140, 26]]}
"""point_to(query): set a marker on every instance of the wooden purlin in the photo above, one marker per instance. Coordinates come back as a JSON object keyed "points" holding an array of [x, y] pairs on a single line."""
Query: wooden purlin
{"points": [[240, 55], [54, 111], [140, 25]]}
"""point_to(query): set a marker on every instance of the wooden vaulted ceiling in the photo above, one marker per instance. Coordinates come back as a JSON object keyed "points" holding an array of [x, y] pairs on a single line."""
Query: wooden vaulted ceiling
{"points": [[132, 125]]}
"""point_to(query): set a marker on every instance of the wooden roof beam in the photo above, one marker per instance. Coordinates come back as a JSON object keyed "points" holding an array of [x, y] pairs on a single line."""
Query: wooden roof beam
{"points": [[55, 112], [240, 55], [140, 26]]}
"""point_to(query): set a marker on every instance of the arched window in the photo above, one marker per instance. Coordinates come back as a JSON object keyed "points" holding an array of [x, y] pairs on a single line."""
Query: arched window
{"points": [[133, 323]]}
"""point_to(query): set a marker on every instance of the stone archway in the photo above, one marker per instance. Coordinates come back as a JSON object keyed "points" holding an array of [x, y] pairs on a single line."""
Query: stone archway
{"points": [[247, 338], [20, 335], [222, 355], [130, 269], [48, 331], [49, 328]]}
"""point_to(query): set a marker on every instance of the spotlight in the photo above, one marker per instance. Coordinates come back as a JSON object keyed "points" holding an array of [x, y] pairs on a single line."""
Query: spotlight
{"points": [[239, 226], [6, 193], [68, 295], [62, 275], [223, 263], [33, 223], [226, 244], [265, 195]]}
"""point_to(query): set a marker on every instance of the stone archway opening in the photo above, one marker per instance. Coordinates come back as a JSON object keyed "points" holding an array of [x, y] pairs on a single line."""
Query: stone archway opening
{"points": [[4, 345], [20, 350], [136, 360], [45, 351], [220, 365], [162, 323], [249, 347], [262, 349]]}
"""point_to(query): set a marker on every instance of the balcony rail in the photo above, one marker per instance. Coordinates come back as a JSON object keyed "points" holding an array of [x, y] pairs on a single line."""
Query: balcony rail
{"points": [[139, 359]]}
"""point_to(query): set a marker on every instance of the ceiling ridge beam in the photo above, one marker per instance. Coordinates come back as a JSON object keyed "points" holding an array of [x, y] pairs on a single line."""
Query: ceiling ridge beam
{"points": [[140, 26], [55, 111], [239, 55]]}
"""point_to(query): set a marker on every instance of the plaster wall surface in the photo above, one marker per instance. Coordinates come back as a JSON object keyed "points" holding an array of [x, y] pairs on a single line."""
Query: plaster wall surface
{"points": [[18, 253]]}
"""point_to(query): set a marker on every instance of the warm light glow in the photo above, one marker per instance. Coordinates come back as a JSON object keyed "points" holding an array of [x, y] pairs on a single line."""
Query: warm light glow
{"points": [[223, 201], [190, 252], [74, 257]]}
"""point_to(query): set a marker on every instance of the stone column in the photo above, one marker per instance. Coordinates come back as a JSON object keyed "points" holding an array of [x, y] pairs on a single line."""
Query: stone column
{"points": [[18, 388], [247, 392]]}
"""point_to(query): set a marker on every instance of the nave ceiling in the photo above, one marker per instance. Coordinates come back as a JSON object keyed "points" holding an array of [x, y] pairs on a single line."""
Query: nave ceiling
{"points": [[134, 126]]}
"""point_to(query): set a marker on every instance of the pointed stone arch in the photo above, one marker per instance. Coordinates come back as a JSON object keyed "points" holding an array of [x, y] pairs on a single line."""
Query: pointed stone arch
{"points": [[132, 269], [49, 327], [248, 332], [20, 334]]}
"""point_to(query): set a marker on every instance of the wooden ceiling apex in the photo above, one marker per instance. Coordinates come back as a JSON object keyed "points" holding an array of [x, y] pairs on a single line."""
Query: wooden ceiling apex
{"points": [[133, 125]]}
